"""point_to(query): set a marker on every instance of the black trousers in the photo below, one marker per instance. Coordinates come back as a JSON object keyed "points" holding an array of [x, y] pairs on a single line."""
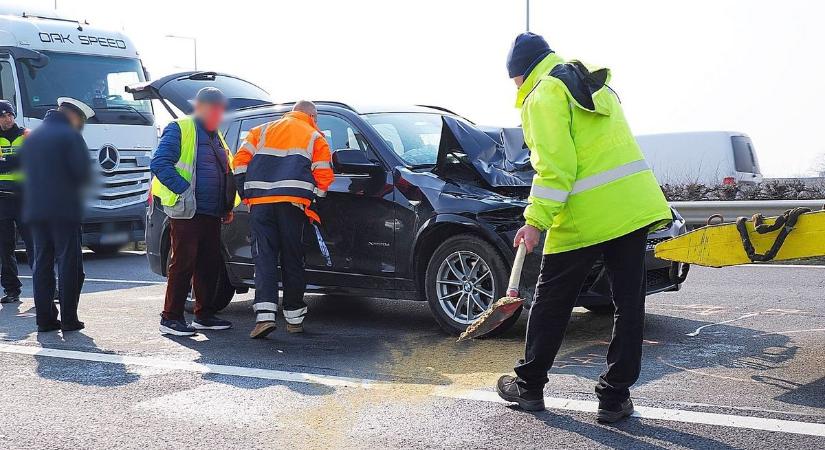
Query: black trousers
{"points": [[10, 225], [277, 230], [560, 281], [57, 242]]}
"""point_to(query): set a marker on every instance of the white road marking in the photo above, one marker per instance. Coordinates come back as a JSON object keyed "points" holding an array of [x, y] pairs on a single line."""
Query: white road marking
{"points": [[109, 280], [644, 412], [699, 330]]}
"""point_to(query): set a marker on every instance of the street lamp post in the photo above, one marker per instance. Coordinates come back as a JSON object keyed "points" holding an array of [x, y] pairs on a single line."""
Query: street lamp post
{"points": [[528, 15], [194, 45]]}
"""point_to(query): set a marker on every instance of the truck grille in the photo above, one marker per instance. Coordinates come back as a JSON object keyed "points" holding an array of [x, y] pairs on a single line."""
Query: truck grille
{"points": [[126, 184]]}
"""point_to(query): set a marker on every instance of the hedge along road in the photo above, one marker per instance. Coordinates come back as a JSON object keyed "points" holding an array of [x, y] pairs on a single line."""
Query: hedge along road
{"points": [[372, 372]]}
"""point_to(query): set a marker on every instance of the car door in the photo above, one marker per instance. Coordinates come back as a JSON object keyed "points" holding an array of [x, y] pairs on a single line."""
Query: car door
{"points": [[357, 214]]}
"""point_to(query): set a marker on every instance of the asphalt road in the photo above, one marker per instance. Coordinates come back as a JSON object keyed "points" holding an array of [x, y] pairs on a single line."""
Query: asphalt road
{"points": [[729, 360]]}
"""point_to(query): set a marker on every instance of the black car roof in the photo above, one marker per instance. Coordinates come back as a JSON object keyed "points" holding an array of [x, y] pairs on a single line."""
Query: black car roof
{"points": [[336, 106]]}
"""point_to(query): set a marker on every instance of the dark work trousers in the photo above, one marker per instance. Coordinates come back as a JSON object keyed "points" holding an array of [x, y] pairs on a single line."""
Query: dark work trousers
{"points": [[196, 262], [277, 230], [57, 242], [10, 226], [560, 281]]}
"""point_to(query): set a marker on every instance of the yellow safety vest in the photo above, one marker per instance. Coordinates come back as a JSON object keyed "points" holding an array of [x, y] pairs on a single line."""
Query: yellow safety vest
{"points": [[186, 163], [9, 149]]}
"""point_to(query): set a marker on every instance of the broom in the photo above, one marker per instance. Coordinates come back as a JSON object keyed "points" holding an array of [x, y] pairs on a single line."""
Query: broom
{"points": [[503, 308]]}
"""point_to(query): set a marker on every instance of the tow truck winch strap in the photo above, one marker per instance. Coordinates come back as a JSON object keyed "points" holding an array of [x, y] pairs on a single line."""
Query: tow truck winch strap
{"points": [[786, 222]]}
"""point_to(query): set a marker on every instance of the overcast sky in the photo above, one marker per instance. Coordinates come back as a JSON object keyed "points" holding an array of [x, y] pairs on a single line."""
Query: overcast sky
{"points": [[744, 65]]}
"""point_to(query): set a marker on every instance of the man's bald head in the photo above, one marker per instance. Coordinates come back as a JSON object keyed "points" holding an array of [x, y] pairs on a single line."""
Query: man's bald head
{"points": [[306, 106]]}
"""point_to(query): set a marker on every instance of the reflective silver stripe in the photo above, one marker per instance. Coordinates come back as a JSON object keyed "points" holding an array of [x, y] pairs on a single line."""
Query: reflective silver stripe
{"points": [[183, 166], [546, 193], [265, 317], [292, 314], [262, 137], [265, 306], [609, 176], [279, 184], [321, 165], [239, 170], [249, 147], [272, 151], [295, 317], [320, 192], [311, 146]]}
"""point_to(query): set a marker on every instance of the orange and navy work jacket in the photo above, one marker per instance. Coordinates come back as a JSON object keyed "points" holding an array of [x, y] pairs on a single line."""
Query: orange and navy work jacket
{"points": [[287, 160]]}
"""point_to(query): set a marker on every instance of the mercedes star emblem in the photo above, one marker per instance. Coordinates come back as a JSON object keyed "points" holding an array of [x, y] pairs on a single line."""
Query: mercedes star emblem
{"points": [[108, 157]]}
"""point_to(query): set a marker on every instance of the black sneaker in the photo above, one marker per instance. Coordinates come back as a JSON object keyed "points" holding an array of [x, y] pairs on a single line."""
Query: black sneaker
{"points": [[614, 413], [176, 327], [211, 323], [10, 298], [54, 326], [529, 400], [74, 326]]}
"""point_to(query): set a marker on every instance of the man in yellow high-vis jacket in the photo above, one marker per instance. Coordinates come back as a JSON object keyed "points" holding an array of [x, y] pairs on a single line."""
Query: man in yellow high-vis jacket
{"points": [[595, 197], [193, 183], [11, 139]]}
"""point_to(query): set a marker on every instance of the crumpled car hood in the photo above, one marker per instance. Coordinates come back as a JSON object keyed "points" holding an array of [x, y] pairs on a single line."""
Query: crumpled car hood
{"points": [[497, 154]]}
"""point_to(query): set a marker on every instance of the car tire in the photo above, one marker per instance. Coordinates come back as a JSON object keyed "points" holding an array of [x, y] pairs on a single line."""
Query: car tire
{"points": [[224, 292], [601, 310], [105, 249], [443, 282]]}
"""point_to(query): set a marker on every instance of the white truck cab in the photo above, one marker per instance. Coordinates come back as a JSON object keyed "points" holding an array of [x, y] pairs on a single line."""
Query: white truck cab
{"points": [[44, 56]]}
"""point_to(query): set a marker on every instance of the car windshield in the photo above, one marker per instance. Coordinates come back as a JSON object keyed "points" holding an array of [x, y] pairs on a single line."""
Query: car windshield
{"points": [[98, 81], [413, 136]]}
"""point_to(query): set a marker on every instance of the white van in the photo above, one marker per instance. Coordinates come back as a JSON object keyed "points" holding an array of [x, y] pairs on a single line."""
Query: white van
{"points": [[706, 157], [44, 56]]}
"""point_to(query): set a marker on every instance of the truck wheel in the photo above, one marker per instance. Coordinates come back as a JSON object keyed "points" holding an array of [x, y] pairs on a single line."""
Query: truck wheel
{"points": [[105, 249], [224, 291], [465, 275]]}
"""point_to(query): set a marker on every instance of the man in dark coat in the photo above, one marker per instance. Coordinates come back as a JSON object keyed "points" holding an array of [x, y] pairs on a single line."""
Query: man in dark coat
{"points": [[57, 170]]}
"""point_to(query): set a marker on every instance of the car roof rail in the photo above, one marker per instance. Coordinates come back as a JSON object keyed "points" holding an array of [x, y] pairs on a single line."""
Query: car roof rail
{"points": [[327, 103], [448, 111]]}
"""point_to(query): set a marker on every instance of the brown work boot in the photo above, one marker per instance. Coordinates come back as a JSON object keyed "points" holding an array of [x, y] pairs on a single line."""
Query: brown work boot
{"points": [[295, 328], [262, 329]]}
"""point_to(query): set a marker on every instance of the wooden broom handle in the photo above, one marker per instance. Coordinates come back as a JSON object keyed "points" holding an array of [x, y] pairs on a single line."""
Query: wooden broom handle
{"points": [[515, 274]]}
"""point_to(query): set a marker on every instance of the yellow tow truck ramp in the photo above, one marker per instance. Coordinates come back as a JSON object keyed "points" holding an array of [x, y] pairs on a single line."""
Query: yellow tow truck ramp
{"points": [[797, 234]]}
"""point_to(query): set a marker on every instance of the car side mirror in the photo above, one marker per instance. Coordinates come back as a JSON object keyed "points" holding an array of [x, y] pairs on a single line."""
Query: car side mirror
{"points": [[348, 160]]}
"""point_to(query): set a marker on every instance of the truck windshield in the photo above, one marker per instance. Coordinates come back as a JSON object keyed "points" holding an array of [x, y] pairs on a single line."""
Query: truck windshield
{"points": [[99, 81]]}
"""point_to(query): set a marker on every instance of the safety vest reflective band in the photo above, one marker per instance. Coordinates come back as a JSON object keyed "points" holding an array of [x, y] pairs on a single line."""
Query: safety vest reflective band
{"points": [[10, 148], [186, 163], [593, 181]]}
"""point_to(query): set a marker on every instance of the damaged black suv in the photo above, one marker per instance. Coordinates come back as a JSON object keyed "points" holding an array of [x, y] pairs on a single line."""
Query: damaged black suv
{"points": [[424, 206]]}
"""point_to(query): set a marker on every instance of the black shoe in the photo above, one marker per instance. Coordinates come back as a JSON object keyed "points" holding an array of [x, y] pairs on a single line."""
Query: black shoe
{"points": [[614, 413], [10, 298], [176, 327], [211, 323], [528, 399], [54, 326], [74, 326]]}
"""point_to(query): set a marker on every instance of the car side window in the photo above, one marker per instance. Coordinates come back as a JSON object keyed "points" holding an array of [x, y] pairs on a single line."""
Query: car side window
{"points": [[248, 124], [341, 134]]}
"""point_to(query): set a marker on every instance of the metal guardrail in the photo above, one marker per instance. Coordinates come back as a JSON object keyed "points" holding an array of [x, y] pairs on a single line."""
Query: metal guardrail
{"points": [[697, 212]]}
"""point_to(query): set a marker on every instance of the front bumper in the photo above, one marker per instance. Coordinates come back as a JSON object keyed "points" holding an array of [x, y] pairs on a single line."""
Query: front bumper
{"points": [[114, 226]]}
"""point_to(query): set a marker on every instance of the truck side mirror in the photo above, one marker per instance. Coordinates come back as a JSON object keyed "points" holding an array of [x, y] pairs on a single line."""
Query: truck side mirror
{"points": [[353, 161]]}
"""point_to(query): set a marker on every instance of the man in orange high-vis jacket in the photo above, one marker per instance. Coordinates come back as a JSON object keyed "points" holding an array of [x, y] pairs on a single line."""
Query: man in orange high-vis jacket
{"points": [[279, 170]]}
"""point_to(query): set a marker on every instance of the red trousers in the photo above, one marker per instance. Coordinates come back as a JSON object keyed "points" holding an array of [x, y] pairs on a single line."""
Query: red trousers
{"points": [[196, 260]]}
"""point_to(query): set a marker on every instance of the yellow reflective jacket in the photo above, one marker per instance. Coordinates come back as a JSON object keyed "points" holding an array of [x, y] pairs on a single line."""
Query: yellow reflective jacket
{"points": [[592, 183]]}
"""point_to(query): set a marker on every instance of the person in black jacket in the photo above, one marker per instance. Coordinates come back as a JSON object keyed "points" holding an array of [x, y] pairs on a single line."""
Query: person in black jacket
{"points": [[57, 170], [11, 139]]}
